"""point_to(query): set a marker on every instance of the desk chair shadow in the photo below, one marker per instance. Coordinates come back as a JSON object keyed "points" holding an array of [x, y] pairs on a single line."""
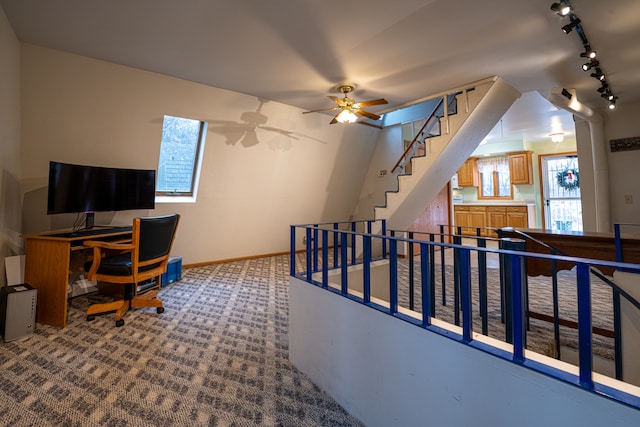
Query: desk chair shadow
{"points": [[138, 265]]}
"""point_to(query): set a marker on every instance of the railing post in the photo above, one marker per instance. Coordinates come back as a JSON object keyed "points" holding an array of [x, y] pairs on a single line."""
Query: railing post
{"points": [[426, 284], [353, 243], [482, 285], [315, 247], [384, 241], [585, 354], [393, 277], [292, 255], [309, 254], [509, 280], [411, 274], [465, 291], [325, 258], [335, 245], [343, 264], [516, 299], [366, 268]]}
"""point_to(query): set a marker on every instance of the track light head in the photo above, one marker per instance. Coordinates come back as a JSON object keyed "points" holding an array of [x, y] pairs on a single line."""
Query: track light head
{"points": [[562, 9], [612, 105], [598, 74], [604, 88], [571, 25], [589, 65], [588, 53]]}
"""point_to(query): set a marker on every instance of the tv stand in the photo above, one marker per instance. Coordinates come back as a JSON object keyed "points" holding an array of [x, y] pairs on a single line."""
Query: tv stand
{"points": [[49, 260]]}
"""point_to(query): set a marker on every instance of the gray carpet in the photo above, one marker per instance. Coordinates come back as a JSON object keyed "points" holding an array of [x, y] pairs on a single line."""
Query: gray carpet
{"points": [[218, 356], [540, 335]]}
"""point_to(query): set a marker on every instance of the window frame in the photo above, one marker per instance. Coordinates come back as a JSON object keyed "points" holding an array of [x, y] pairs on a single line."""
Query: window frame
{"points": [[496, 186], [186, 196]]}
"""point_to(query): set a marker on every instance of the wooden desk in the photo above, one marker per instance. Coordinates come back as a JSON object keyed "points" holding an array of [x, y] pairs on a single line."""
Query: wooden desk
{"points": [[49, 260]]}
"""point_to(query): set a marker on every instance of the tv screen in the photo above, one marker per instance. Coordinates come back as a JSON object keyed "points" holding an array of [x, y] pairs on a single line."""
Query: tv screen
{"points": [[86, 189]]}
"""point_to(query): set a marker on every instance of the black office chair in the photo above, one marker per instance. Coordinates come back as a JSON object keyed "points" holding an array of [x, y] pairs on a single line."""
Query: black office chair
{"points": [[137, 264]]}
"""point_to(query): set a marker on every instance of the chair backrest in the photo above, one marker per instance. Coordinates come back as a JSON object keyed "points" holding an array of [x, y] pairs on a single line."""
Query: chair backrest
{"points": [[155, 236]]}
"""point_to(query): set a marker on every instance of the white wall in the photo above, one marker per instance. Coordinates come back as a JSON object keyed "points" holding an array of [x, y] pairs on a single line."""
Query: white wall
{"points": [[387, 372], [623, 165], [80, 110], [10, 212]]}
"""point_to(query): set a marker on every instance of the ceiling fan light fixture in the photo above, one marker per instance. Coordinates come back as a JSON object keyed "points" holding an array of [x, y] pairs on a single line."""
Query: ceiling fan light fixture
{"points": [[346, 116]]}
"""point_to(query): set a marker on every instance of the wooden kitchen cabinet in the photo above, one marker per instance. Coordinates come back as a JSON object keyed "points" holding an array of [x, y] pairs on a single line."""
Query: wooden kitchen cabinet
{"points": [[468, 173], [520, 167], [518, 217], [470, 217], [493, 216]]}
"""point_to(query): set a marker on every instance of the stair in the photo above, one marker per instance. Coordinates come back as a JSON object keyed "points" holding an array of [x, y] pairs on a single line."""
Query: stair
{"points": [[479, 110]]}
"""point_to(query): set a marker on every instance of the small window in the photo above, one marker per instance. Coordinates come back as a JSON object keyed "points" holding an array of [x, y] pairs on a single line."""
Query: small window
{"points": [[495, 178], [180, 152]]}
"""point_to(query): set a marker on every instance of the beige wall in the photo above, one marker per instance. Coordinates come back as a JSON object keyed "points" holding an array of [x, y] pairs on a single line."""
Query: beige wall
{"points": [[10, 211], [624, 174], [300, 169]]}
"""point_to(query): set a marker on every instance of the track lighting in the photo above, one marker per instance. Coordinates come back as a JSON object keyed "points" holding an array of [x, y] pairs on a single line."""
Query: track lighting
{"points": [[588, 53], [562, 9], [571, 25], [598, 74]]}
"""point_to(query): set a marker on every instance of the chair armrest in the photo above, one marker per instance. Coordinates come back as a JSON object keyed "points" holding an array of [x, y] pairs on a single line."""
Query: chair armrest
{"points": [[120, 245], [99, 247]]}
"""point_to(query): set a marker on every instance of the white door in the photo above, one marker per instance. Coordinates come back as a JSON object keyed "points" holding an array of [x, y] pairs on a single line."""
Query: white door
{"points": [[561, 193]]}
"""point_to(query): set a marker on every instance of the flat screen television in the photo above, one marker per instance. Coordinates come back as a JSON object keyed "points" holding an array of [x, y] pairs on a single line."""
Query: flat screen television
{"points": [[90, 189]]}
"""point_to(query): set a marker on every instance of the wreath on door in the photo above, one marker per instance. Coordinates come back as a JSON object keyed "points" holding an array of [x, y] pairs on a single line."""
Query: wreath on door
{"points": [[569, 179]]}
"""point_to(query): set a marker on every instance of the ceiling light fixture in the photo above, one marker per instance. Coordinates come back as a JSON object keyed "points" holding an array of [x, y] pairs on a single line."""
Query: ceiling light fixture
{"points": [[589, 65], [564, 8], [588, 53], [598, 74], [571, 25], [346, 116], [557, 137]]}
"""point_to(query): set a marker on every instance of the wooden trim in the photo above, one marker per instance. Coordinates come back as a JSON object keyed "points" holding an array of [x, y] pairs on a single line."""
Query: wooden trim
{"points": [[571, 324]]}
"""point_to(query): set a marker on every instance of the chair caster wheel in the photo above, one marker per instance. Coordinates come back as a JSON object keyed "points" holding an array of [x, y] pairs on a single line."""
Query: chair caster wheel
{"points": [[119, 323], [159, 310], [91, 317]]}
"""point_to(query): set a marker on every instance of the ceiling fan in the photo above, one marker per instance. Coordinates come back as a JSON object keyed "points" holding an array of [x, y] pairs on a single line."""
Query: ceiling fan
{"points": [[348, 108]]}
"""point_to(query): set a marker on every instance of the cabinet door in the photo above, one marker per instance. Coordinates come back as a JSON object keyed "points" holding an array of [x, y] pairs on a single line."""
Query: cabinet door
{"points": [[517, 217], [478, 218], [520, 168], [496, 218], [468, 173]]}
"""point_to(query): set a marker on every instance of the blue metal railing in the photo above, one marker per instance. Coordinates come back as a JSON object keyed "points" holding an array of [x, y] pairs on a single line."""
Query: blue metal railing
{"points": [[331, 257]]}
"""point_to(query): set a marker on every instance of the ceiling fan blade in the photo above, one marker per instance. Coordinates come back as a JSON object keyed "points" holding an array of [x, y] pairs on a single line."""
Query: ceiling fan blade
{"points": [[341, 102], [335, 119], [373, 102], [322, 109], [367, 114]]}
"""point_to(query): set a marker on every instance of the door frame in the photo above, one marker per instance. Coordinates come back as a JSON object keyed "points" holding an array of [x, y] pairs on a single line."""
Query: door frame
{"points": [[542, 178]]}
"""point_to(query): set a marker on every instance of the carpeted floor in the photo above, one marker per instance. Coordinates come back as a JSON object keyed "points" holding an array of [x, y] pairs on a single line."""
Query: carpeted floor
{"points": [[218, 356]]}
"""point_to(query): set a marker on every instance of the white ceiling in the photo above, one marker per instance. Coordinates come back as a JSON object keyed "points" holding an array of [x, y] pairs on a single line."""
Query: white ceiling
{"points": [[297, 51]]}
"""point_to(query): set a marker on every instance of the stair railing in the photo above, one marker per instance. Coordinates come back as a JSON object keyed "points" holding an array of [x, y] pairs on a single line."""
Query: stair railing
{"points": [[617, 293]]}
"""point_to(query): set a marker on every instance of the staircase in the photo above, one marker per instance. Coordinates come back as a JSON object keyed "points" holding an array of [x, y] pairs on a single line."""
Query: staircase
{"points": [[480, 106]]}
